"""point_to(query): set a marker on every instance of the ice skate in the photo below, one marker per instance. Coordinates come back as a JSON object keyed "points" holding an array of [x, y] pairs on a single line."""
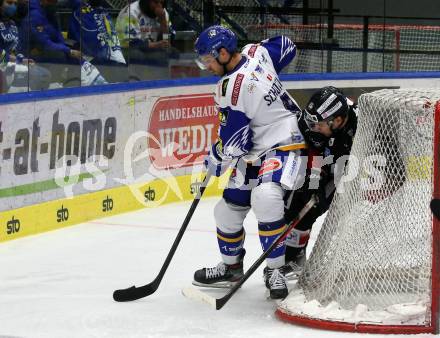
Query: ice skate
{"points": [[276, 283], [220, 276]]}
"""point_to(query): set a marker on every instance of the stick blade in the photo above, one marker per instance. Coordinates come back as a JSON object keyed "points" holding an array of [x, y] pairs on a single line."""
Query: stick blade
{"points": [[133, 293], [196, 294]]}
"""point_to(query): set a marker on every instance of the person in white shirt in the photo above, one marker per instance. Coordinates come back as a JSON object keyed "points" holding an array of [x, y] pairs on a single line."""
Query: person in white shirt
{"points": [[143, 29], [143, 24]]}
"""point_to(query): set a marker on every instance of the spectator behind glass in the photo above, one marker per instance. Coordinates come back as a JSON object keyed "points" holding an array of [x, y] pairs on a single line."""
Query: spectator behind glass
{"points": [[43, 41], [22, 11], [14, 68], [90, 27], [143, 30]]}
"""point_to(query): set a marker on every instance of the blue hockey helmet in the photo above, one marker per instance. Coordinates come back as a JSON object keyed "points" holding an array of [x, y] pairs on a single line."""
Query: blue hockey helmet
{"points": [[211, 40]]}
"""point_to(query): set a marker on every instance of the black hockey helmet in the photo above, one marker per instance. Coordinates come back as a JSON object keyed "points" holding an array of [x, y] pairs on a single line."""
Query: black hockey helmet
{"points": [[325, 105]]}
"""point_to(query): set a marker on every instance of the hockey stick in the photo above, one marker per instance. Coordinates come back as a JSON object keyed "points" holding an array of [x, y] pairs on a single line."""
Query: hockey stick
{"points": [[133, 293], [218, 303], [435, 207]]}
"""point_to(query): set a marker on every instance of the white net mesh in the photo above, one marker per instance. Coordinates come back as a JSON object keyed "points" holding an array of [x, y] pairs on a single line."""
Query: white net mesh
{"points": [[372, 259], [425, 39]]}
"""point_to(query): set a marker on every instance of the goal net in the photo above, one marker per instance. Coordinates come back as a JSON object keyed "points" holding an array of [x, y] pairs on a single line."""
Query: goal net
{"points": [[374, 267], [415, 47]]}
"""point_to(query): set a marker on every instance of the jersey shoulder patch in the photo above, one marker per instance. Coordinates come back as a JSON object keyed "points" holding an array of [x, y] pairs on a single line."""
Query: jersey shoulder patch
{"points": [[252, 50]]}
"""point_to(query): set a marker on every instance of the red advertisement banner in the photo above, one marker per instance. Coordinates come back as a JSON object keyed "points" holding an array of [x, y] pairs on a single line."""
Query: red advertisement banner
{"points": [[182, 129]]}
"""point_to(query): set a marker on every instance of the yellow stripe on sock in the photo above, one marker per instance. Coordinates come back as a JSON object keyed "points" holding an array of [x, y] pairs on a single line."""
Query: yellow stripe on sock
{"points": [[231, 240], [271, 232]]}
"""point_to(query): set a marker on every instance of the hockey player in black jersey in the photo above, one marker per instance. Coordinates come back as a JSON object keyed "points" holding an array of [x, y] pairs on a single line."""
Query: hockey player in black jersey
{"points": [[328, 124]]}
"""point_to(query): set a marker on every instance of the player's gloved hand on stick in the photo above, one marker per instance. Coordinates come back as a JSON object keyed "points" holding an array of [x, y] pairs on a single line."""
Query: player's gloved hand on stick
{"points": [[214, 163]]}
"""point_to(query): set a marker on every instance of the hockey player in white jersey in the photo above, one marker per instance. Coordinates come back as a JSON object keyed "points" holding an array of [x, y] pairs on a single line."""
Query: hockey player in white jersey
{"points": [[257, 121]]}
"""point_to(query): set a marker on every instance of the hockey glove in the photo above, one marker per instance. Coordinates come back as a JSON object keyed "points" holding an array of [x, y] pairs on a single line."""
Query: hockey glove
{"points": [[214, 163]]}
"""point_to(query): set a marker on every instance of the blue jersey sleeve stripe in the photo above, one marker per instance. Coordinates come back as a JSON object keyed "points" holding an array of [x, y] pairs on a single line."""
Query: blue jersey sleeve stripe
{"points": [[281, 50]]}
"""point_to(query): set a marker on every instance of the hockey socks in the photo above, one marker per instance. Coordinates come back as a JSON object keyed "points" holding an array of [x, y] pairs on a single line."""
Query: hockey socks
{"points": [[230, 245], [269, 232]]}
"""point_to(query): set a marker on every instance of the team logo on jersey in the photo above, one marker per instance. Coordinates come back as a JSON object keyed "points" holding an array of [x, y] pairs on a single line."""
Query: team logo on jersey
{"points": [[269, 77], [251, 87], [252, 51], [212, 33], [224, 86], [263, 59], [223, 117], [269, 166], [254, 77], [236, 90], [259, 69]]}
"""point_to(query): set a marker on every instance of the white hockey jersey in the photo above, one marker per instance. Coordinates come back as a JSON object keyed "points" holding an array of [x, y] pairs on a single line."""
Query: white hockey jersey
{"points": [[256, 113]]}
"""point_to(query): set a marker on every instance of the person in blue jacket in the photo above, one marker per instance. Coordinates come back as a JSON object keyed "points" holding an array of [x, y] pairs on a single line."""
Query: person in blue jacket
{"points": [[42, 40], [13, 66], [91, 27]]}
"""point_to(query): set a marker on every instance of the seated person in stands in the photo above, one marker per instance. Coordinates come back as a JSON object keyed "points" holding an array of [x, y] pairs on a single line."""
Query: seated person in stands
{"points": [[22, 11], [143, 28], [91, 27], [45, 43], [14, 67]]}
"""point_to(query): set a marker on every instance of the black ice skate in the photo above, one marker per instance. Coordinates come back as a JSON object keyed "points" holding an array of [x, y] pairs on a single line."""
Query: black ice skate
{"points": [[292, 269], [220, 276], [276, 283]]}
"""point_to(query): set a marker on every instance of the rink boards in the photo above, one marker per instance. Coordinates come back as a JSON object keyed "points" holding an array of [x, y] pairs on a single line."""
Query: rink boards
{"points": [[73, 155], [65, 212]]}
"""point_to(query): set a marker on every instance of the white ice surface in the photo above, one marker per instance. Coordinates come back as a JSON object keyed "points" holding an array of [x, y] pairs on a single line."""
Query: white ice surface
{"points": [[59, 284]]}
